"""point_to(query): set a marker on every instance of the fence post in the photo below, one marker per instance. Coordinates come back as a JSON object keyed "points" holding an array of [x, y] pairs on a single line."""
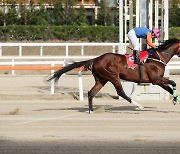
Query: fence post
{"points": [[81, 98], [13, 71], [82, 50], [67, 48], [0, 50], [41, 51], [52, 81], [20, 50], [113, 48]]}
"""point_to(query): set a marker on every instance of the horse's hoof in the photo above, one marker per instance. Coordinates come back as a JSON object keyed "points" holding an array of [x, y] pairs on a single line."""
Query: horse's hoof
{"points": [[139, 107], [90, 112], [175, 100], [178, 98]]}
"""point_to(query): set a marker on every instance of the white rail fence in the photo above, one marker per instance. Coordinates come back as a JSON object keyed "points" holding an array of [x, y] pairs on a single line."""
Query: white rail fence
{"points": [[171, 66], [66, 45], [44, 60]]}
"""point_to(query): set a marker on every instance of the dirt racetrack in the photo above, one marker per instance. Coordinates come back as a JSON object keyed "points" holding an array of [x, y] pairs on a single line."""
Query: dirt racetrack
{"points": [[33, 121]]}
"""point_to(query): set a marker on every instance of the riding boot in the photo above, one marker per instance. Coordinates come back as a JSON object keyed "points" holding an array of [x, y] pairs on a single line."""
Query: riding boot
{"points": [[136, 58]]}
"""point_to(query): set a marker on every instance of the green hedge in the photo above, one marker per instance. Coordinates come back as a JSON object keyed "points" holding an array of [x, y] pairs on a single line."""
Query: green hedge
{"points": [[174, 32], [87, 33]]}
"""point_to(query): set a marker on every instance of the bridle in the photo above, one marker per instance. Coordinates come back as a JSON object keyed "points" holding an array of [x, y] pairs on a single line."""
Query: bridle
{"points": [[161, 59]]}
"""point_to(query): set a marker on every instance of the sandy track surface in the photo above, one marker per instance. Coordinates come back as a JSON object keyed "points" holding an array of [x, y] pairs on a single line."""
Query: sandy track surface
{"points": [[32, 121]]}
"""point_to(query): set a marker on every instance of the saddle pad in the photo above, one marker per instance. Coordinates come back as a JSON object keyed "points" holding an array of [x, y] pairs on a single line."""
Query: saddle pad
{"points": [[130, 58]]}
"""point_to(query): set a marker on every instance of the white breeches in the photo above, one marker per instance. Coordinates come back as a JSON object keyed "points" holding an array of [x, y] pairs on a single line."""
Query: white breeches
{"points": [[133, 39]]}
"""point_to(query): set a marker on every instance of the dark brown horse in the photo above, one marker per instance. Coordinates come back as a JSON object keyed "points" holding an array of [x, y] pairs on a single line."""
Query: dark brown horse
{"points": [[113, 67]]}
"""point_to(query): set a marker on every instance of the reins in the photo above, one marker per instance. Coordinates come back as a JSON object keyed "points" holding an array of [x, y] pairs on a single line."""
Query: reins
{"points": [[158, 61], [161, 59]]}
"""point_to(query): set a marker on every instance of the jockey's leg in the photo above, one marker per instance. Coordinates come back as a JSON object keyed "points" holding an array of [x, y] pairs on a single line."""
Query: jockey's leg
{"points": [[135, 42], [136, 58]]}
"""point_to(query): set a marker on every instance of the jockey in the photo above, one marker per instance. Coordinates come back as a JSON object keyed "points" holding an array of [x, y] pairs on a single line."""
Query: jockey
{"points": [[145, 33]]}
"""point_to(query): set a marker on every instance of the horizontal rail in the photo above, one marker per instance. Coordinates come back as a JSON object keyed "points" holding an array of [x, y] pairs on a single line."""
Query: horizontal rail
{"points": [[44, 57], [52, 68], [12, 63], [58, 44], [176, 63], [35, 68], [60, 57], [31, 62], [177, 67], [65, 45], [30, 67]]}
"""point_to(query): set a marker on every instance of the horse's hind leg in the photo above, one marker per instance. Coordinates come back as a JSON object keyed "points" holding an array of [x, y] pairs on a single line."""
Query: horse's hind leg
{"points": [[95, 89], [118, 86]]}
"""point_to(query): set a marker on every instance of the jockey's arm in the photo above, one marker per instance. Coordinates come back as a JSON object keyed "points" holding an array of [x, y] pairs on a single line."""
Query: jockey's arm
{"points": [[148, 39]]}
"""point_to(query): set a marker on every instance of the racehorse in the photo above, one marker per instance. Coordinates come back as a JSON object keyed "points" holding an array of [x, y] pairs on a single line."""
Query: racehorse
{"points": [[112, 67]]}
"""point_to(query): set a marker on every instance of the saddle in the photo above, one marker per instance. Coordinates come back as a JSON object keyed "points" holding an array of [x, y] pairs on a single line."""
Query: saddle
{"points": [[143, 55]]}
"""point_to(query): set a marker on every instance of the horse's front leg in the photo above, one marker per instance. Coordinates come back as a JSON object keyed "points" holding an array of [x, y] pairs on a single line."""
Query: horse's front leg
{"points": [[163, 82], [90, 98], [95, 89], [120, 92], [176, 97]]}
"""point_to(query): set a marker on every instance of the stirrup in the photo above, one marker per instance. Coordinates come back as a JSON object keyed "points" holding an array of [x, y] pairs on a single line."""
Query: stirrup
{"points": [[137, 61]]}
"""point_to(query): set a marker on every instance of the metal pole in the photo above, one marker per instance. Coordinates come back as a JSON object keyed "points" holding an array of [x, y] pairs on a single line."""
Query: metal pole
{"points": [[162, 20], [156, 17], [52, 82], [125, 23], [121, 48], [138, 16], [144, 23], [81, 98], [144, 11], [130, 14], [137, 13], [156, 13], [166, 19], [150, 14]]}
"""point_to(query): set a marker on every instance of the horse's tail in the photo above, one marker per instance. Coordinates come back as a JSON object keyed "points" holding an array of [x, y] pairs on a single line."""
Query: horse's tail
{"points": [[86, 64]]}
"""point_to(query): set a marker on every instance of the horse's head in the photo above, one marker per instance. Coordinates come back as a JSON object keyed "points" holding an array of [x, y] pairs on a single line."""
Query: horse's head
{"points": [[171, 46], [177, 48], [178, 53]]}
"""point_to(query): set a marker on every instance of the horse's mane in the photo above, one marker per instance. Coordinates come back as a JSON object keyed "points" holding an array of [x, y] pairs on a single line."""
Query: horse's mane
{"points": [[167, 44]]}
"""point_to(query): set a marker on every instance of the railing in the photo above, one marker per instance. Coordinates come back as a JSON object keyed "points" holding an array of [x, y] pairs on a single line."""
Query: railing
{"points": [[34, 65], [66, 45], [13, 62], [37, 65]]}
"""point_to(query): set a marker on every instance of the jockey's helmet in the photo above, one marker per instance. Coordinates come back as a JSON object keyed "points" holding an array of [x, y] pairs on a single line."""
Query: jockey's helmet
{"points": [[156, 32]]}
